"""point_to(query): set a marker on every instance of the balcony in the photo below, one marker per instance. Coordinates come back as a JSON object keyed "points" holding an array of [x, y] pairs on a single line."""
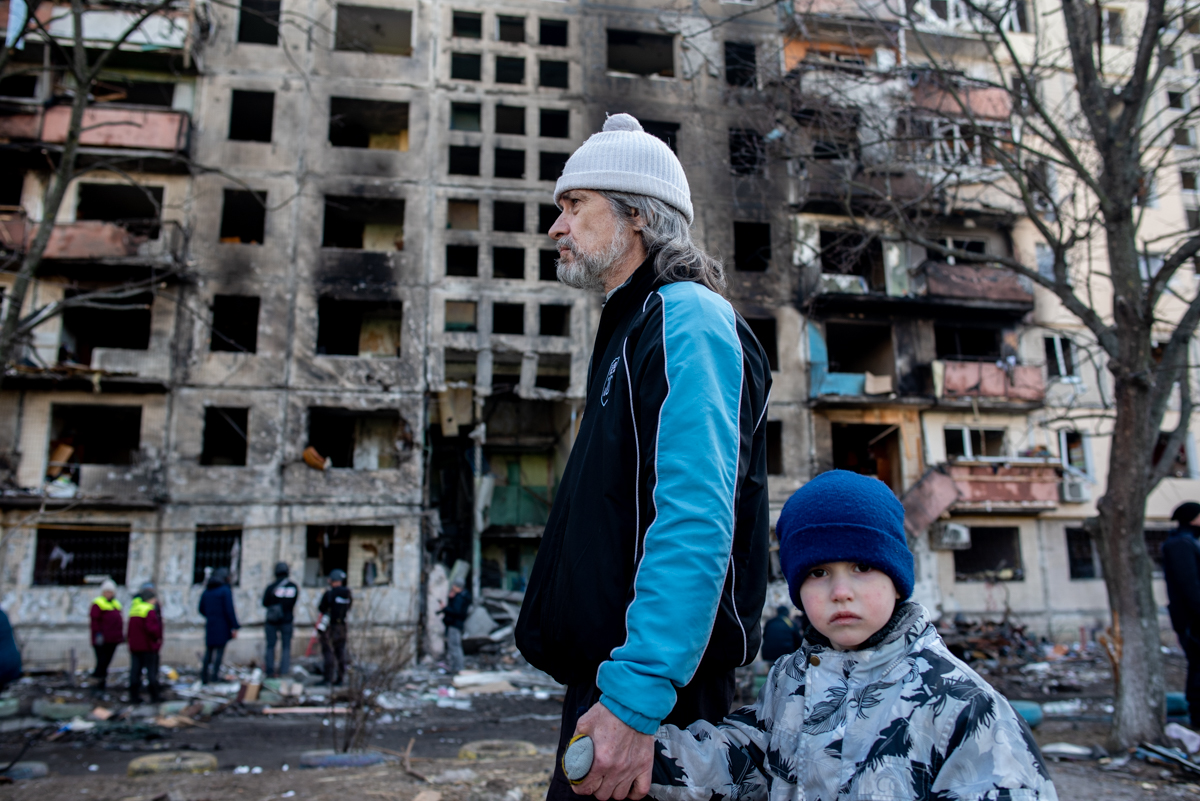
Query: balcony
{"points": [[1006, 486], [103, 127], [975, 282], [127, 241], [988, 381]]}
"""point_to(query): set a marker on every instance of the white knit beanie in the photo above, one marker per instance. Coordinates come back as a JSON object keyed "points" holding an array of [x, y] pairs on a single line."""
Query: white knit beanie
{"points": [[624, 158]]}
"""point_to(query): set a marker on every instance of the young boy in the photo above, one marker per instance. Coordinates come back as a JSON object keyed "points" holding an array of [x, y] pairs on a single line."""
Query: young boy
{"points": [[872, 705]]}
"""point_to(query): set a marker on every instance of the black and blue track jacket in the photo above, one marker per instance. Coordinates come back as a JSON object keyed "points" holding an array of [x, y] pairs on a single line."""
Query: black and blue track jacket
{"points": [[654, 559]]}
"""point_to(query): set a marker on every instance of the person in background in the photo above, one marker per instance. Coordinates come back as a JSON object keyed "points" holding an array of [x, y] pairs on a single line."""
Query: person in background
{"points": [[108, 631], [145, 640], [781, 635], [335, 605], [454, 615], [220, 623], [1181, 569], [280, 600], [10, 655]]}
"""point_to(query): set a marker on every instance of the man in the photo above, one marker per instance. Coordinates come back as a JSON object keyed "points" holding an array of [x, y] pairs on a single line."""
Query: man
{"points": [[108, 631], [335, 605], [454, 615], [10, 654], [781, 635], [220, 623], [280, 600], [1181, 569], [650, 579], [145, 640]]}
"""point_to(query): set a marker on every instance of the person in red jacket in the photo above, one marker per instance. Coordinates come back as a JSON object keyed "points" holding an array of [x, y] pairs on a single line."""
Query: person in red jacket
{"points": [[108, 631], [145, 639]]}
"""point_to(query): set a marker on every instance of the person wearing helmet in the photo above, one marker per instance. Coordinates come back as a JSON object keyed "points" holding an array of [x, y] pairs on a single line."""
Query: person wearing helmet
{"points": [[279, 599], [335, 605]]}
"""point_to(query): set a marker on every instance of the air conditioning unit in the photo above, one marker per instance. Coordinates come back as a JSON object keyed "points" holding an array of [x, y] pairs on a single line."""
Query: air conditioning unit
{"points": [[951, 537], [1074, 490]]}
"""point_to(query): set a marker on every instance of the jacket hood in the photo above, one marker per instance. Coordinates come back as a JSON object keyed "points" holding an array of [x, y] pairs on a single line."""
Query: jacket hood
{"points": [[219, 577]]}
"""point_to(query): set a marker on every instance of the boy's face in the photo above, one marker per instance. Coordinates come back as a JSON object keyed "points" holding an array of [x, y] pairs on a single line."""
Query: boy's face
{"points": [[848, 601]]}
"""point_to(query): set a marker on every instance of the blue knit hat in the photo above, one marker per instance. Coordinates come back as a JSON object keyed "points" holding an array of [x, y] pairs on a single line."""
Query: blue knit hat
{"points": [[841, 516]]}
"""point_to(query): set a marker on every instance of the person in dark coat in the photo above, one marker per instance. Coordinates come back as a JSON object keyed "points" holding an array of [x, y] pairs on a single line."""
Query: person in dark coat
{"points": [[145, 639], [781, 635], [334, 606], [10, 655], [108, 631], [454, 615], [280, 600], [1181, 569], [220, 623]]}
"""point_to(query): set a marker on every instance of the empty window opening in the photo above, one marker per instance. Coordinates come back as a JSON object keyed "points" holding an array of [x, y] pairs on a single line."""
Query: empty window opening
{"points": [[1060, 357], [108, 323], [547, 265], [860, 348], [74, 557], [1179, 465], [550, 165], [251, 116], [508, 216], [235, 323], [552, 32], [1113, 26], [668, 132], [775, 447], [510, 120], [510, 163], [1083, 557], [547, 216], [741, 65], [554, 371], [119, 89], [964, 343], [751, 246], [372, 124], [1155, 539], [553, 74], [243, 216], [510, 69], [555, 320], [361, 440], [968, 245], [462, 260], [555, 123], [510, 29], [847, 253], [764, 332], [508, 263], [1076, 453], [363, 29], [12, 186], [1193, 219], [258, 22], [224, 436], [464, 160], [328, 549], [870, 450], [466, 66], [508, 318], [832, 132], [467, 25], [217, 547], [506, 372], [994, 555], [19, 85], [460, 366], [747, 152], [92, 434], [135, 208], [974, 443], [462, 215], [465, 117], [364, 223], [366, 328], [1183, 137], [461, 316], [1177, 100], [641, 53]]}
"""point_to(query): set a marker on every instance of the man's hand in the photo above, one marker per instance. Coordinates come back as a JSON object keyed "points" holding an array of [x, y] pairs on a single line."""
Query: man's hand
{"points": [[233, 634], [623, 760]]}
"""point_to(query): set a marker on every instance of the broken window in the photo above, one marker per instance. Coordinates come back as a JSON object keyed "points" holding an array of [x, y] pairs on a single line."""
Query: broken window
{"points": [[135, 208], [460, 366], [641, 53], [12, 185], [466, 66], [747, 153], [234, 323], [123, 90], [506, 374], [508, 263], [462, 260], [122, 322], [1083, 557], [1193, 219], [1180, 467], [1075, 452], [741, 65], [462, 215], [224, 436], [217, 547], [510, 69], [751, 246], [1060, 359], [243, 216], [467, 25], [1177, 100], [554, 371], [1113, 23], [362, 440], [510, 29], [554, 74], [510, 120], [860, 348], [364, 223], [510, 163], [966, 343], [849, 253], [508, 318], [258, 22], [552, 32], [464, 160], [547, 216], [327, 549], [994, 555], [764, 332], [366, 328], [82, 554], [550, 165], [465, 117], [363, 29], [508, 216], [92, 434], [868, 449], [251, 116], [555, 123], [775, 447], [833, 132], [372, 124], [461, 316], [1183, 137], [555, 320], [668, 132], [973, 443], [19, 85], [547, 265]]}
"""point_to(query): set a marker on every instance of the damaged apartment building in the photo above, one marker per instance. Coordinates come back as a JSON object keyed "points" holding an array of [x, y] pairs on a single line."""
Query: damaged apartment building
{"points": [[349, 350]]}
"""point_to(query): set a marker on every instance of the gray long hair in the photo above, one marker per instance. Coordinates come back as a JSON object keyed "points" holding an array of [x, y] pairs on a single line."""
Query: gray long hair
{"points": [[665, 231]]}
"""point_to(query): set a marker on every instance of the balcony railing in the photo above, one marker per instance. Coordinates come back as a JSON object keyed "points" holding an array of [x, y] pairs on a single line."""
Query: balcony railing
{"points": [[986, 380], [138, 129], [97, 240], [975, 282], [1012, 486]]}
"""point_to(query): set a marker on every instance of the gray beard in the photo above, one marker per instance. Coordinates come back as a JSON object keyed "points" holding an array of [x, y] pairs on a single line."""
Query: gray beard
{"points": [[588, 270]]}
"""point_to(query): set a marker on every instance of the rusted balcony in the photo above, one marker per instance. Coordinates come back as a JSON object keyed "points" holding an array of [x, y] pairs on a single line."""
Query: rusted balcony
{"points": [[1004, 486], [95, 240], [975, 282], [986, 380], [130, 128]]}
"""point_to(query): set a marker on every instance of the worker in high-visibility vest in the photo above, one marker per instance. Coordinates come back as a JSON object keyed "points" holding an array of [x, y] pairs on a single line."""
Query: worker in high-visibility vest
{"points": [[108, 631], [145, 640]]}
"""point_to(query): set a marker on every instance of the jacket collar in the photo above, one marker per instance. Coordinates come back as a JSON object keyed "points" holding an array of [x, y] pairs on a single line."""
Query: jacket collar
{"points": [[107, 605], [623, 300], [880, 650]]}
